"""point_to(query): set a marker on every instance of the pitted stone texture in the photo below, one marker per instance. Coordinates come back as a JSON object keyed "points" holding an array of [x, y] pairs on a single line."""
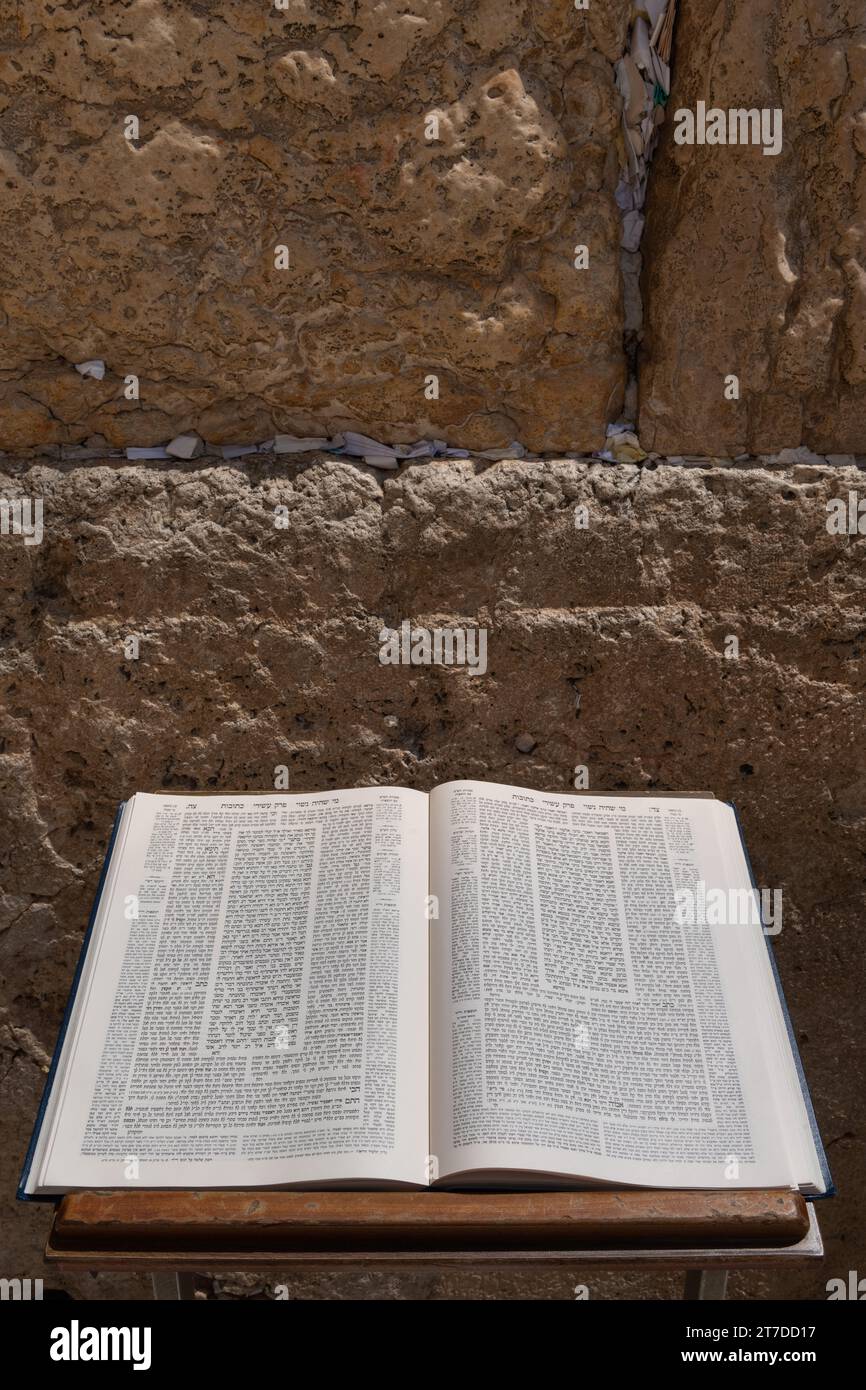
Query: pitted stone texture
{"points": [[756, 265], [259, 646], [305, 128]]}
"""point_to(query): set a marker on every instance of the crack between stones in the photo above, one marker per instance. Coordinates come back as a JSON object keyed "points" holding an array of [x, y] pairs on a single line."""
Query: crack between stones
{"points": [[643, 79]]}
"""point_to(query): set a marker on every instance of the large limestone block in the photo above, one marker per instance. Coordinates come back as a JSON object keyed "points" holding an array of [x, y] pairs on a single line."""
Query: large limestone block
{"points": [[304, 127], [756, 264]]}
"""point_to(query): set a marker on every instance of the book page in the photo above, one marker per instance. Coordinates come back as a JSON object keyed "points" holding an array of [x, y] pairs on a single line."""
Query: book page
{"points": [[254, 1005], [577, 1026]]}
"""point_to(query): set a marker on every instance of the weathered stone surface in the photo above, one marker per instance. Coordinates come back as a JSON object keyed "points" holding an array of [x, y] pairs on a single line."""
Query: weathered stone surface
{"points": [[259, 646], [754, 264], [305, 128]]}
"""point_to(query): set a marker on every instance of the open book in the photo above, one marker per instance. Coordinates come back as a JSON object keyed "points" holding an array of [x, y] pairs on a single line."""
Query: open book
{"points": [[485, 986]]}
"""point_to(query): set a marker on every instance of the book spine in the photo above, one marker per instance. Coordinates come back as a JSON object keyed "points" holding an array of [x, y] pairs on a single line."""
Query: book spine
{"points": [[58, 1047]]}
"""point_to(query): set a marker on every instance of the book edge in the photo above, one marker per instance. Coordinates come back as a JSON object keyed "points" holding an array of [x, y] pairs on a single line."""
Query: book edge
{"points": [[792, 1039], [21, 1194]]}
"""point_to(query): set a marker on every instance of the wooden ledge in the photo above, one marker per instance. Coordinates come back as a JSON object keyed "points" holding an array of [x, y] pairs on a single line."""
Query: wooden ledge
{"points": [[142, 1227]]}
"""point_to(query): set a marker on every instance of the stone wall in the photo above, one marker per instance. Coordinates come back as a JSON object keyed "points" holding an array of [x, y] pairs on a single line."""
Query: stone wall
{"points": [[410, 257], [305, 127], [756, 264], [259, 646]]}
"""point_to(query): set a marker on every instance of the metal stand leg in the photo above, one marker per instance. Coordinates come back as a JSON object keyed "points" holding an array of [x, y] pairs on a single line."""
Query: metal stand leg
{"points": [[705, 1284], [172, 1286]]}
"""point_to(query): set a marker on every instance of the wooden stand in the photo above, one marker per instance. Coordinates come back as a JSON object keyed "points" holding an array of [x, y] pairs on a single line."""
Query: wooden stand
{"points": [[174, 1234]]}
